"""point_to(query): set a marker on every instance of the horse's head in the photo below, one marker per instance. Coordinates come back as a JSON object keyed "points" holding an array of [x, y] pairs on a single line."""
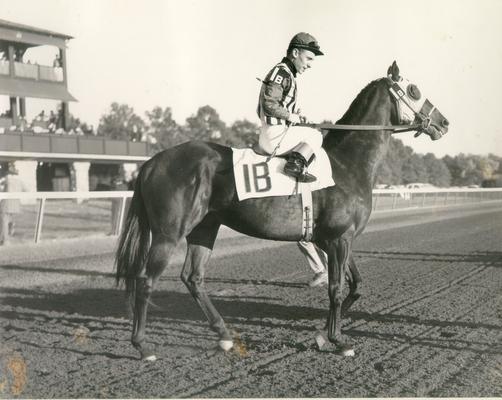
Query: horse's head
{"points": [[413, 107]]}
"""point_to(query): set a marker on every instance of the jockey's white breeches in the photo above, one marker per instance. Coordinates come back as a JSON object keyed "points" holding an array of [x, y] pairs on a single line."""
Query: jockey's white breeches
{"points": [[286, 138]]}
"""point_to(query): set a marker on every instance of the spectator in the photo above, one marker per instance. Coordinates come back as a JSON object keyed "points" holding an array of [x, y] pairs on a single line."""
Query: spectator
{"points": [[52, 122], [40, 116], [132, 182], [18, 55], [23, 124], [10, 207], [57, 61]]}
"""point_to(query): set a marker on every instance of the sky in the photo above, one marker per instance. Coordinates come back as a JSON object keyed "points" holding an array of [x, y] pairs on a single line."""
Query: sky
{"points": [[185, 54]]}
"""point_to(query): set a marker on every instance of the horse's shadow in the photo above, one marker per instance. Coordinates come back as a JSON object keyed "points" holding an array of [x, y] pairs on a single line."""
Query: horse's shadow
{"points": [[94, 304], [489, 258], [107, 307]]}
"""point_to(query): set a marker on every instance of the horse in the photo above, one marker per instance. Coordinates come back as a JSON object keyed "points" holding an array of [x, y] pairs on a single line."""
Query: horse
{"points": [[188, 191]]}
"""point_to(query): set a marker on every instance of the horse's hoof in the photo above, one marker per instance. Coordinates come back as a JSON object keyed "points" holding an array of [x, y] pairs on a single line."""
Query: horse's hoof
{"points": [[226, 345], [148, 355], [321, 340], [346, 350]]}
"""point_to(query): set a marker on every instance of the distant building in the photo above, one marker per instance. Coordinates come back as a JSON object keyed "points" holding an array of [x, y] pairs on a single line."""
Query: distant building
{"points": [[47, 161]]}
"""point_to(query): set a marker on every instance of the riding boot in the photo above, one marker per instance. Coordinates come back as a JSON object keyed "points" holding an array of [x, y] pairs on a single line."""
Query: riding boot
{"points": [[296, 165]]}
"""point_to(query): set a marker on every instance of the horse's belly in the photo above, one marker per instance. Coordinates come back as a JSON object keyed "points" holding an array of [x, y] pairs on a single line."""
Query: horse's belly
{"points": [[275, 218]]}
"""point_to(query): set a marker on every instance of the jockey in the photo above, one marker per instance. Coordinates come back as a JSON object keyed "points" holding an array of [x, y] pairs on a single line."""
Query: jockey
{"points": [[279, 112]]}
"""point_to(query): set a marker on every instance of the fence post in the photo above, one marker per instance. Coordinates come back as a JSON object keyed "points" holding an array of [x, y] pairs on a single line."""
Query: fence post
{"points": [[121, 215], [376, 201], [394, 201], [40, 219], [423, 200]]}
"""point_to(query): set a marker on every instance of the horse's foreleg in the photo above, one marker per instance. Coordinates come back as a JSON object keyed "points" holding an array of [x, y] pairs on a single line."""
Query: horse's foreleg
{"points": [[157, 260], [354, 281], [338, 255]]}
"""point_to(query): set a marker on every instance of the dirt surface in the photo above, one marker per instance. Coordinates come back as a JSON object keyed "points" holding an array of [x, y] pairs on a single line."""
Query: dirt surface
{"points": [[429, 322]]}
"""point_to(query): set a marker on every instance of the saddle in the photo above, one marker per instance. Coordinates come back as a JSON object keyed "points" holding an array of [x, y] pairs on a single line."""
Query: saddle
{"points": [[261, 152]]}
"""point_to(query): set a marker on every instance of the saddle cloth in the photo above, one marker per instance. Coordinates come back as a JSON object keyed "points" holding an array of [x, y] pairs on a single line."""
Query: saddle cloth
{"points": [[255, 177]]}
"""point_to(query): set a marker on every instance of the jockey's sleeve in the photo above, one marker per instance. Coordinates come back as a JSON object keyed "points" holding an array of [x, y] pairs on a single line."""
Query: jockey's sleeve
{"points": [[273, 96]]}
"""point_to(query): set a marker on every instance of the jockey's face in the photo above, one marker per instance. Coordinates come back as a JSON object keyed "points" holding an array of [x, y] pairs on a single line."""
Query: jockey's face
{"points": [[302, 59]]}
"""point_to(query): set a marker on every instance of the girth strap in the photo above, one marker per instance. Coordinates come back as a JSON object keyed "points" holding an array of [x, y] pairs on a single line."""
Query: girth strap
{"points": [[307, 212]]}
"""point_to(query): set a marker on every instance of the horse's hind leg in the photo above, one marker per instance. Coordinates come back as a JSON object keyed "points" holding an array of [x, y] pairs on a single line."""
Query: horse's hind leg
{"points": [[200, 246], [158, 258], [354, 281]]}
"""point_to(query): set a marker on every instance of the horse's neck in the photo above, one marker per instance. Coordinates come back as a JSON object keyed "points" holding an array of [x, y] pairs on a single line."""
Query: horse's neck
{"points": [[356, 155]]}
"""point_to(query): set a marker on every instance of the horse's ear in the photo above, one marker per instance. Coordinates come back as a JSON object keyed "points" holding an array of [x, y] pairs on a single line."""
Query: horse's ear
{"points": [[393, 71]]}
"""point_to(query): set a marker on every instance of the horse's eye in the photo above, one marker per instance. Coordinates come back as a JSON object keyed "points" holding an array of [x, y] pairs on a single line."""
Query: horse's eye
{"points": [[413, 92]]}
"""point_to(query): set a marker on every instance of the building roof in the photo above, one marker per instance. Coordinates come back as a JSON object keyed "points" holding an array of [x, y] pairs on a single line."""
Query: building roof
{"points": [[36, 89], [32, 29]]}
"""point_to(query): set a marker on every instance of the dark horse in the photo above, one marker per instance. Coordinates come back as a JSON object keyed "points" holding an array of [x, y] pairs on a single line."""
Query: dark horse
{"points": [[188, 191]]}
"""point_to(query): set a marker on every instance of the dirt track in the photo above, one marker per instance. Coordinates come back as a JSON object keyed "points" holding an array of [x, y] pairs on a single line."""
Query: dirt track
{"points": [[429, 322]]}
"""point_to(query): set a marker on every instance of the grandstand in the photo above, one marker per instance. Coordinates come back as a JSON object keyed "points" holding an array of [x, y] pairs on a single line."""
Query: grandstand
{"points": [[47, 152]]}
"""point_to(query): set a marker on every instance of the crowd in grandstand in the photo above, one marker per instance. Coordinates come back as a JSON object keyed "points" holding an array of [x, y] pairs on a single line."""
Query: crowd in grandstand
{"points": [[45, 123]]}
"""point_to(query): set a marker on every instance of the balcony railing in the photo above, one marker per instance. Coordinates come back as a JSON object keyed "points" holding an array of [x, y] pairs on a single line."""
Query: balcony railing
{"points": [[4, 67], [68, 145], [37, 72], [50, 74]]}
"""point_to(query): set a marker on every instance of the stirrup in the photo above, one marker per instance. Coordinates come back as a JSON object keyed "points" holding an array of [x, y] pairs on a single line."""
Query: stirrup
{"points": [[306, 178], [302, 176], [296, 168]]}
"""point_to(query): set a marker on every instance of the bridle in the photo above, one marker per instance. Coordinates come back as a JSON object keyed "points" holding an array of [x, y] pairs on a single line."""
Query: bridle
{"points": [[400, 97]]}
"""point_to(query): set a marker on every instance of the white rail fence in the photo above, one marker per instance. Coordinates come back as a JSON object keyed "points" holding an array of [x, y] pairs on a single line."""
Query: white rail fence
{"points": [[74, 213]]}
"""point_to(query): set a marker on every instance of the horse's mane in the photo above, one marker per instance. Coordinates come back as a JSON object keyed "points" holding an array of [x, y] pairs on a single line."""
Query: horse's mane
{"points": [[356, 108]]}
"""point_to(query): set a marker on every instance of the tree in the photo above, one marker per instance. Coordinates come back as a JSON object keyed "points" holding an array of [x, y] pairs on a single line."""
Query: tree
{"points": [[468, 169], [163, 130], [121, 123], [414, 169], [242, 133], [391, 170], [206, 125], [437, 171]]}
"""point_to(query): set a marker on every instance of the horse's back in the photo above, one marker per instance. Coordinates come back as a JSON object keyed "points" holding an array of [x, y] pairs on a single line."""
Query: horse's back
{"points": [[183, 160]]}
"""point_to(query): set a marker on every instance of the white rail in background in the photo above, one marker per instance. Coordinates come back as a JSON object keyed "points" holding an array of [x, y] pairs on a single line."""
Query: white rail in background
{"points": [[383, 199]]}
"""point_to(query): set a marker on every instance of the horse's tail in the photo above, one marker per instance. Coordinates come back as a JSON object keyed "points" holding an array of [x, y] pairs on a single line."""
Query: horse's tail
{"points": [[134, 243]]}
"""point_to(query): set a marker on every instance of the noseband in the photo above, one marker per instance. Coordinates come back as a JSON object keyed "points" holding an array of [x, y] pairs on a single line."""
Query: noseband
{"points": [[423, 116]]}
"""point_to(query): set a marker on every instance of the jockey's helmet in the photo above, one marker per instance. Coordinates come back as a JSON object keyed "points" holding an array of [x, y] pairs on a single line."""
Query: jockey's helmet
{"points": [[306, 41]]}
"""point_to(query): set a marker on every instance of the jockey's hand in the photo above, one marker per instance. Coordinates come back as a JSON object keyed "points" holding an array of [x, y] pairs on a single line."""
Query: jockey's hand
{"points": [[295, 119], [304, 119]]}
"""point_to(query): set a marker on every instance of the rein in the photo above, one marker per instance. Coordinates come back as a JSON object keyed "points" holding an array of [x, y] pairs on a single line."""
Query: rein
{"points": [[398, 95], [342, 127]]}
